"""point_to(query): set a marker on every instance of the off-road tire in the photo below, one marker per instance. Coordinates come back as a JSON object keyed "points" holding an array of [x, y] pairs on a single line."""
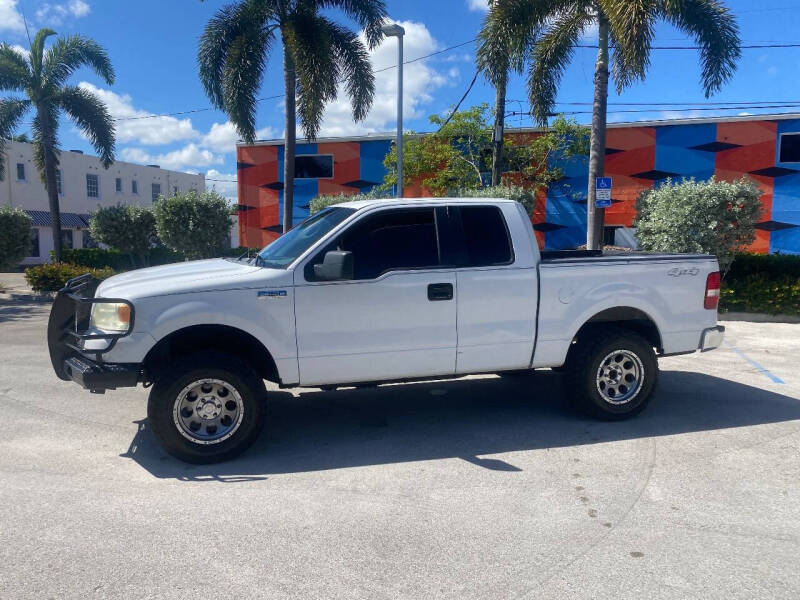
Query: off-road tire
{"points": [[595, 354], [242, 384]]}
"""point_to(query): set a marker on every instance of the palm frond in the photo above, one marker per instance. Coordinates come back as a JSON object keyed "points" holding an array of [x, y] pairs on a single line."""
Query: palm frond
{"points": [[356, 67], [37, 51], [308, 38], [551, 57], [70, 53], [714, 28], [91, 115], [11, 112], [15, 73], [243, 26], [369, 14], [631, 24]]}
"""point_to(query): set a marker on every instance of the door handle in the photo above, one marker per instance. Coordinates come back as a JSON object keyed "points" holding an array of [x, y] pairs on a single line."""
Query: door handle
{"points": [[440, 291]]}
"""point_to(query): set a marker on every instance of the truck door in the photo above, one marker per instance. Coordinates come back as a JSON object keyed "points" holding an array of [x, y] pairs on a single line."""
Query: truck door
{"points": [[497, 296], [395, 319]]}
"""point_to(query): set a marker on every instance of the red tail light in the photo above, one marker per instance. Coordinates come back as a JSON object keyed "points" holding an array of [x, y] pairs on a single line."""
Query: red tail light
{"points": [[711, 299]]}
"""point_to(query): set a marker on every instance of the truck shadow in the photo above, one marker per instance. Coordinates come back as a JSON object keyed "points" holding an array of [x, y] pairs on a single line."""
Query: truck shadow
{"points": [[461, 418]]}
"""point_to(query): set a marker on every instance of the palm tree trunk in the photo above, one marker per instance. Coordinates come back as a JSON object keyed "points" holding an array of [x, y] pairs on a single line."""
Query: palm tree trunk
{"points": [[597, 149], [497, 132], [50, 182], [290, 137]]}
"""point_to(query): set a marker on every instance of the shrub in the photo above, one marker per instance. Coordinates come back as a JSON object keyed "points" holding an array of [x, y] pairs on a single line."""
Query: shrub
{"points": [[193, 224], [130, 229], [15, 236], [772, 265], [758, 292], [711, 216], [52, 277], [325, 200], [512, 192]]}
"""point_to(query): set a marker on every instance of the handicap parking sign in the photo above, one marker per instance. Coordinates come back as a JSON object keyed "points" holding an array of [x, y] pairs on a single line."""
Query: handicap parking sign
{"points": [[602, 190]]}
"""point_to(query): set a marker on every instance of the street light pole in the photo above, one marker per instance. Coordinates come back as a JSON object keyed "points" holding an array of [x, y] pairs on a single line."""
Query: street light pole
{"points": [[395, 30]]}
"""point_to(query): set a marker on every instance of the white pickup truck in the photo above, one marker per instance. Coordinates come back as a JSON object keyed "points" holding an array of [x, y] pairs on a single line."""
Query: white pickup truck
{"points": [[380, 291]]}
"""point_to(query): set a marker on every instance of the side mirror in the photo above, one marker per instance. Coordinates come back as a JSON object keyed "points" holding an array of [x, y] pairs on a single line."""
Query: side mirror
{"points": [[336, 266]]}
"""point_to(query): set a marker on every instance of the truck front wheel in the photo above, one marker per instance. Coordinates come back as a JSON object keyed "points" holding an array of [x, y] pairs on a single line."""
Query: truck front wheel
{"points": [[207, 408], [612, 373]]}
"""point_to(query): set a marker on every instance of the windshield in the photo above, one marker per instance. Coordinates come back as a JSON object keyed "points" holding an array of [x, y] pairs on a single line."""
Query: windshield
{"points": [[285, 250]]}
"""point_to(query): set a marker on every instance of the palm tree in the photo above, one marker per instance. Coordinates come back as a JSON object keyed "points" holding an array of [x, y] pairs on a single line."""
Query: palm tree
{"points": [[545, 33], [41, 78], [317, 54]]}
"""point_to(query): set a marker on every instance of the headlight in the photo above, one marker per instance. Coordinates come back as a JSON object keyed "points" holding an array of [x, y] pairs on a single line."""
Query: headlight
{"points": [[113, 317]]}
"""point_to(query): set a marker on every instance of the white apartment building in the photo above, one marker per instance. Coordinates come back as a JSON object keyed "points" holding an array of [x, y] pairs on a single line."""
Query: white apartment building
{"points": [[84, 185]]}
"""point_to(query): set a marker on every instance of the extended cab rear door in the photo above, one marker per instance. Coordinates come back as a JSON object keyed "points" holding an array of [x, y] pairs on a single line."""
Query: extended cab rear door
{"points": [[497, 286], [395, 319]]}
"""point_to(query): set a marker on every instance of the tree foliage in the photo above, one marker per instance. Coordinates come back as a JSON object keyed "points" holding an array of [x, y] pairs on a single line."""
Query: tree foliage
{"points": [[715, 217], [129, 229], [526, 197], [458, 154], [38, 83], [15, 236], [194, 224]]}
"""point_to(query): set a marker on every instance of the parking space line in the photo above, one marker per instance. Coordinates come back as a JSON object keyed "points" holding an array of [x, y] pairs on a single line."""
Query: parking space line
{"points": [[759, 368]]}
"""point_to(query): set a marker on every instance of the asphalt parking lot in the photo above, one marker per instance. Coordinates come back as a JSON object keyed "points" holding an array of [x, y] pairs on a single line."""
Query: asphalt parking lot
{"points": [[474, 488]]}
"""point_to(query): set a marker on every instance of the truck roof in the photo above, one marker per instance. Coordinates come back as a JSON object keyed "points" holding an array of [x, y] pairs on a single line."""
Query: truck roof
{"points": [[359, 204]]}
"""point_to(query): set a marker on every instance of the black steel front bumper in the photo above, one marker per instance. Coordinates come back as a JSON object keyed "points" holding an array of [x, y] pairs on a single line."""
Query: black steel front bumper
{"points": [[68, 331]]}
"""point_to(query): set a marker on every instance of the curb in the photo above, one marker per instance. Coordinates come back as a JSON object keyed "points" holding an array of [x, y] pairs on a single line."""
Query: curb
{"points": [[758, 317]]}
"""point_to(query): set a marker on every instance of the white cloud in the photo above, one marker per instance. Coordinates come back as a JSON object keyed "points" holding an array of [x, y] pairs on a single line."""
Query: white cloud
{"points": [[132, 128], [20, 49], [10, 17], [222, 137], [225, 184], [419, 82], [189, 156], [54, 14], [478, 5]]}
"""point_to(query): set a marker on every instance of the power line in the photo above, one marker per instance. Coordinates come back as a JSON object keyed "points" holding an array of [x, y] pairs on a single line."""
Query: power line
{"points": [[650, 110]]}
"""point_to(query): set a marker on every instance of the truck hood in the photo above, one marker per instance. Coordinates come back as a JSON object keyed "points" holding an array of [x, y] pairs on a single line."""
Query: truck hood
{"points": [[188, 277]]}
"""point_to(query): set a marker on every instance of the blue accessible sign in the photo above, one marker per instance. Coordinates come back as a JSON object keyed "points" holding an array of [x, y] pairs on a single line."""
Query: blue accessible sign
{"points": [[602, 189]]}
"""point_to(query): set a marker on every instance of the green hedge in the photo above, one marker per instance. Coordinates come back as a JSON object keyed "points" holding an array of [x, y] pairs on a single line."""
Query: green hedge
{"points": [[771, 265], [762, 294], [762, 283], [52, 277], [99, 258]]}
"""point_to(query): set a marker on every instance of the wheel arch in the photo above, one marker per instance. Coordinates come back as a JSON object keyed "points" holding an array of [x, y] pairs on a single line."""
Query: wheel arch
{"points": [[219, 338], [624, 317]]}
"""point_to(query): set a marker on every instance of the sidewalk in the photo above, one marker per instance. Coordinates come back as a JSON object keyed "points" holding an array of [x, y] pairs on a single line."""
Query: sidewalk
{"points": [[14, 288]]}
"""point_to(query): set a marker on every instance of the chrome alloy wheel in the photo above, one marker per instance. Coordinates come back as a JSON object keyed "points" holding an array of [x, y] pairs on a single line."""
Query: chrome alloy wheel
{"points": [[208, 411], [620, 377]]}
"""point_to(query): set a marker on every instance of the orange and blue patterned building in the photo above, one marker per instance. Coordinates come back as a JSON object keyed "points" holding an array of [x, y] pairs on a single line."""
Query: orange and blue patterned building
{"points": [[639, 156]]}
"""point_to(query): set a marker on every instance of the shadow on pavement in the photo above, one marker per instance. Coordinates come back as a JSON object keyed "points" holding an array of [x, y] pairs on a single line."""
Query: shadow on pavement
{"points": [[19, 312], [461, 418]]}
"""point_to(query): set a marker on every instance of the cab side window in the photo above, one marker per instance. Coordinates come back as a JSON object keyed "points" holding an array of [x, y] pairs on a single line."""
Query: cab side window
{"points": [[390, 240], [486, 239]]}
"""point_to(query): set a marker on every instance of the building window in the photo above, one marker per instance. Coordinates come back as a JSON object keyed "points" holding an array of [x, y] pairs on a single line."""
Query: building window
{"points": [[156, 191], [313, 166], [119, 185], [87, 240], [34, 251], [20, 172], [66, 238], [790, 148], [175, 191], [134, 187], [92, 186], [58, 182]]}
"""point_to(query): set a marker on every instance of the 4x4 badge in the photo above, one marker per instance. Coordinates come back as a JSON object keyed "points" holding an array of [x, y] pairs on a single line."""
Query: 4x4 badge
{"points": [[678, 271], [271, 294]]}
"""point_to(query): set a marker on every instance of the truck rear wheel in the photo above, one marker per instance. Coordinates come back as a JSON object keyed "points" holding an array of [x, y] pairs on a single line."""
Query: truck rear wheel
{"points": [[611, 373], [207, 408]]}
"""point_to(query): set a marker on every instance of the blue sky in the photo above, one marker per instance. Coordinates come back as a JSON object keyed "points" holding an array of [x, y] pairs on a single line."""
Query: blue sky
{"points": [[153, 47]]}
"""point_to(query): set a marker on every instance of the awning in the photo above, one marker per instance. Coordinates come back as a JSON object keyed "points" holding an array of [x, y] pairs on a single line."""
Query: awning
{"points": [[41, 218]]}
